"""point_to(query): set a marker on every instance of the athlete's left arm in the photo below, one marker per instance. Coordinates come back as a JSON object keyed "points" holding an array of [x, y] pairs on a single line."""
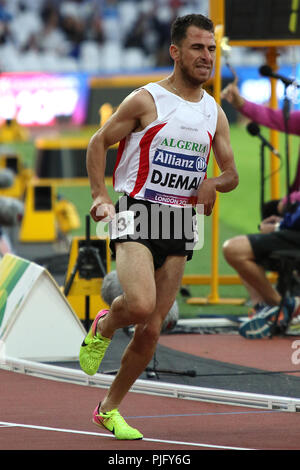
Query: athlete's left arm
{"points": [[228, 178]]}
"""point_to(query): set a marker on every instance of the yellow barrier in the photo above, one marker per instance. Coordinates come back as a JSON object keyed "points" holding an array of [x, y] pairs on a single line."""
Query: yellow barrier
{"points": [[83, 289], [22, 175], [39, 220]]}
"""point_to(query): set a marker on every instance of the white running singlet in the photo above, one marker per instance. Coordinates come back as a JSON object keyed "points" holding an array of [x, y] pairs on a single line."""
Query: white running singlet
{"points": [[167, 161]]}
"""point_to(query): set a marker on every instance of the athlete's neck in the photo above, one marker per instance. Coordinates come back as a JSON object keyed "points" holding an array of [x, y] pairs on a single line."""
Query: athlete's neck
{"points": [[188, 92]]}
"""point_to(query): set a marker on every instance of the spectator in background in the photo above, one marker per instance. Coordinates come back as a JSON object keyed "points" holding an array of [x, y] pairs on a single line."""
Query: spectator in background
{"points": [[5, 14], [96, 30], [111, 20], [24, 23], [261, 114], [151, 33], [51, 37], [5, 18], [137, 36], [272, 118], [161, 25], [74, 17]]}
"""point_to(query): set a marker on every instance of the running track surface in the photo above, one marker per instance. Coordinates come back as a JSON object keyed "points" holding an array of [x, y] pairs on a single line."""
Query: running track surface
{"points": [[41, 414]]}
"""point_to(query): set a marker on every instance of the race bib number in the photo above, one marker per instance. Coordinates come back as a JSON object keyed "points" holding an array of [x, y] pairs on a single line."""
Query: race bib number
{"points": [[122, 225]]}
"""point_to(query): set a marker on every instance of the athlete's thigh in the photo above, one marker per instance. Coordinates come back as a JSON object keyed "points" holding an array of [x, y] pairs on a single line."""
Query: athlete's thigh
{"points": [[168, 280], [134, 265]]}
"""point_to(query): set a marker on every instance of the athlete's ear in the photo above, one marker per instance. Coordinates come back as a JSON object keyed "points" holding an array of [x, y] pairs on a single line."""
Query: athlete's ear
{"points": [[174, 52]]}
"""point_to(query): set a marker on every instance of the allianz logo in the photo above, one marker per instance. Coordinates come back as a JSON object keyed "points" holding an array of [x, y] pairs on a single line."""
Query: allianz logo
{"points": [[179, 161]]}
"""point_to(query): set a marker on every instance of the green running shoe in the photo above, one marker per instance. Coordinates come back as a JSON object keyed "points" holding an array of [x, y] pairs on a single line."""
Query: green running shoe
{"points": [[115, 423], [93, 347]]}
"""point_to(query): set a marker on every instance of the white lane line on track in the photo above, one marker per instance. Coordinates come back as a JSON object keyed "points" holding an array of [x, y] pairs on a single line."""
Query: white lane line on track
{"points": [[89, 433]]}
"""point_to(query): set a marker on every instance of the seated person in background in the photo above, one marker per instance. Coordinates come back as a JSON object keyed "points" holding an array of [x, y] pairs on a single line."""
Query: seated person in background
{"points": [[280, 206], [246, 254]]}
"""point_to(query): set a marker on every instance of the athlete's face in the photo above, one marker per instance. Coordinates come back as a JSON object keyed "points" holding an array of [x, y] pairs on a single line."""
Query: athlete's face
{"points": [[195, 56]]}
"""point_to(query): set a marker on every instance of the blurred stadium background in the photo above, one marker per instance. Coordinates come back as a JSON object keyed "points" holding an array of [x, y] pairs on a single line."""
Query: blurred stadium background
{"points": [[65, 65]]}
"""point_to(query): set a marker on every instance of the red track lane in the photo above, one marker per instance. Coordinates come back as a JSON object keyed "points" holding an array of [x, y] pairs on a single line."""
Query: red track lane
{"points": [[58, 417]]}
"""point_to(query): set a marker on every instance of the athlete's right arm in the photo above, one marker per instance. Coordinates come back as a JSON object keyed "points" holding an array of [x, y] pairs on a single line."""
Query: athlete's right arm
{"points": [[129, 116]]}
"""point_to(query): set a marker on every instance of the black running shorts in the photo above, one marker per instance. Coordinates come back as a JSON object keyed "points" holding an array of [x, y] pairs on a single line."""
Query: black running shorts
{"points": [[263, 244], [163, 229]]}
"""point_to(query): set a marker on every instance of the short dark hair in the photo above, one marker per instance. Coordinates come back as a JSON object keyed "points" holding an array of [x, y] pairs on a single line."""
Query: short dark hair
{"points": [[181, 24]]}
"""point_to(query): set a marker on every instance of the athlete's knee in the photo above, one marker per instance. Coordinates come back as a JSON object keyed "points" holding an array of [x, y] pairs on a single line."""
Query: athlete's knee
{"points": [[140, 308], [146, 336]]}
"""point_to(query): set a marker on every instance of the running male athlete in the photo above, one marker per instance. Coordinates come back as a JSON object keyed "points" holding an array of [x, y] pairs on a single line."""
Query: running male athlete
{"points": [[166, 131]]}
